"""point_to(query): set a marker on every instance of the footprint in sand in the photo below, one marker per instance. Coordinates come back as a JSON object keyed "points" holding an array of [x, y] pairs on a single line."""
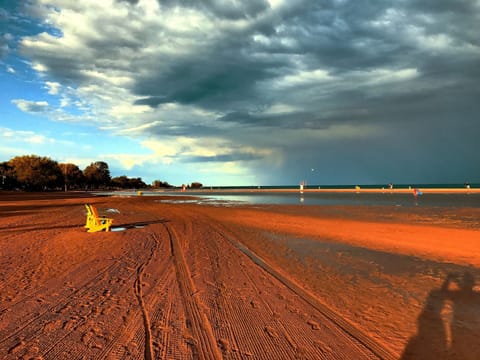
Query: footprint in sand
{"points": [[86, 337], [313, 324], [324, 348], [17, 347], [50, 326], [271, 332], [70, 324], [254, 304], [224, 345]]}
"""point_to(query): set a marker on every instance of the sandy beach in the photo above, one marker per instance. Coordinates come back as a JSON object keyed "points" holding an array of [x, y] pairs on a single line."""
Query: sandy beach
{"points": [[189, 281]]}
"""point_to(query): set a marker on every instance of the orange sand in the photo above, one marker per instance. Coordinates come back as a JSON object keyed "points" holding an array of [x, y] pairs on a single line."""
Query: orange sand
{"points": [[187, 281]]}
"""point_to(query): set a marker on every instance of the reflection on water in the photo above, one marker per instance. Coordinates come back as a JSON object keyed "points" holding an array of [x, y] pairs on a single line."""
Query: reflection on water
{"points": [[123, 228], [118, 228], [315, 198], [408, 200]]}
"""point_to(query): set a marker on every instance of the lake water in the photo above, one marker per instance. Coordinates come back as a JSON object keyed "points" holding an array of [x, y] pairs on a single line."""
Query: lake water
{"points": [[440, 200], [317, 198]]}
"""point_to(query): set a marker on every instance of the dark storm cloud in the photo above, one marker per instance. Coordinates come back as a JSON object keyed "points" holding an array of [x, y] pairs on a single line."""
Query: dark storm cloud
{"points": [[296, 120], [224, 158], [340, 37], [408, 70], [460, 7], [10, 24], [220, 78], [421, 114], [337, 38], [190, 130]]}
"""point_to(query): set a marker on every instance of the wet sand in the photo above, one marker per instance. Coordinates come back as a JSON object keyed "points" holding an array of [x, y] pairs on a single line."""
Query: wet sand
{"points": [[186, 281]]}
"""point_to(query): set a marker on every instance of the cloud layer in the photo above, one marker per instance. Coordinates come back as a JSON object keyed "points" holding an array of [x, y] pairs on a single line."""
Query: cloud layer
{"points": [[267, 90]]}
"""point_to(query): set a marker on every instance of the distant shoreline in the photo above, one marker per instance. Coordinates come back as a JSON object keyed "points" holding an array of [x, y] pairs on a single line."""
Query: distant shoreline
{"points": [[223, 190], [326, 190]]}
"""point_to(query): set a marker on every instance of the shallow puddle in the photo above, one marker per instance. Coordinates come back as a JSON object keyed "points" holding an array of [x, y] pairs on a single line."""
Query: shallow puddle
{"points": [[123, 228], [118, 229]]}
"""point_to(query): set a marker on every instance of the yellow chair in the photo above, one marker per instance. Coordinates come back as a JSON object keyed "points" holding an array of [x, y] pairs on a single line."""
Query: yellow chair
{"points": [[95, 222]]}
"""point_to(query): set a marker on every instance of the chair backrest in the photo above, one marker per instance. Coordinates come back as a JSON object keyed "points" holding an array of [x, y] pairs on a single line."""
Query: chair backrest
{"points": [[89, 210], [92, 212]]}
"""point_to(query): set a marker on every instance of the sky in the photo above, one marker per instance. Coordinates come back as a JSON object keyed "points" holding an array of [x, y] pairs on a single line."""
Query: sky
{"points": [[248, 92]]}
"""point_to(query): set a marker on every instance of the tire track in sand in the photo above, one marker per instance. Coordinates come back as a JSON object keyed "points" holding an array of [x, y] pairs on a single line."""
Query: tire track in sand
{"points": [[206, 345], [137, 288], [63, 300], [378, 349], [134, 324]]}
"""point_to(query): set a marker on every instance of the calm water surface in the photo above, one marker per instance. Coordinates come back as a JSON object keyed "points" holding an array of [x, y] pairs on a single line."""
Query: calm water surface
{"points": [[449, 200], [291, 198]]}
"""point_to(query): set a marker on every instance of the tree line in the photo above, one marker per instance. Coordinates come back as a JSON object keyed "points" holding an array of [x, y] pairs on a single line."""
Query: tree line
{"points": [[36, 173]]}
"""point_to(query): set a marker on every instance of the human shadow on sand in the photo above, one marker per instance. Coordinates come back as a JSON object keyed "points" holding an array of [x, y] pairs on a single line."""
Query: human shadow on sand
{"points": [[447, 323]]}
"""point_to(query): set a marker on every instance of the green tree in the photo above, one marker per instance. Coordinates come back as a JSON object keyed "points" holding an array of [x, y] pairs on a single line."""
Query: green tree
{"points": [[8, 179], [97, 175], [73, 176], [36, 173], [137, 183], [124, 182], [196, 185], [157, 184], [120, 182]]}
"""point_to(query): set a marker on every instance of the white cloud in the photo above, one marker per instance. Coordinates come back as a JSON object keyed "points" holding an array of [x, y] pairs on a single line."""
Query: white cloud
{"points": [[390, 19], [122, 110], [10, 69], [274, 4], [168, 148], [107, 79], [281, 108], [435, 42], [64, 102], [383, 76], [26, 137], [262, 39], [39, 67], [305, 77], [31, 106], [141, 129], [43, 108], [127, 161], [53, 87], [37, 139]]}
